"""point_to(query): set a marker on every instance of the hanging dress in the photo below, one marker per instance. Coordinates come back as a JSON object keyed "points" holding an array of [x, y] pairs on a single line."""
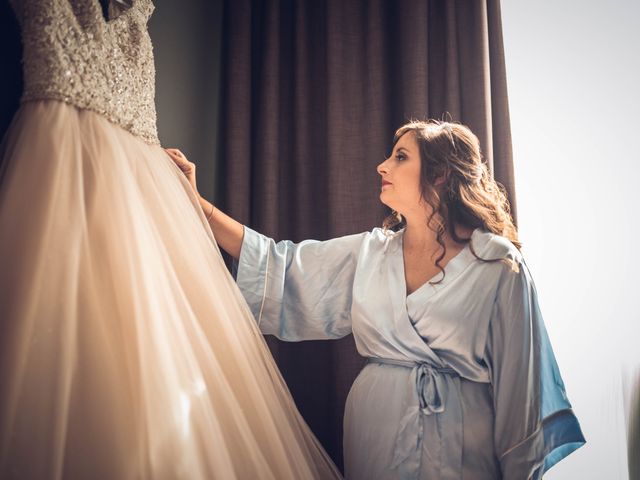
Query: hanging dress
{"points": [[126, 348]]}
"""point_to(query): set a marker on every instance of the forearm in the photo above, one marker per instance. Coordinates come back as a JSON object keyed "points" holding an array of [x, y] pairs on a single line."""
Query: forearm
{"points": [[228, 232]]}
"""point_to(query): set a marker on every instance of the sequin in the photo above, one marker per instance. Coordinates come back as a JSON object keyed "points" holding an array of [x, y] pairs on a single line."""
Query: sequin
{"points": [[72, 54]]}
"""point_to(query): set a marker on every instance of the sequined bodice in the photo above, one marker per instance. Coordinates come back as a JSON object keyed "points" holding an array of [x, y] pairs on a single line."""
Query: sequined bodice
{"points": [[72, 54]]}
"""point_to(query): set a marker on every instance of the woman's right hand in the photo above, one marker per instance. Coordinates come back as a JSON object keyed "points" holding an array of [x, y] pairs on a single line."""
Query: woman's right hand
{"points": [[227, 231], [187, 167]]}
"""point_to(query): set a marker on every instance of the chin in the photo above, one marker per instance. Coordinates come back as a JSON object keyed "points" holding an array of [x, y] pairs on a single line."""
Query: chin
{"points": [[385, 203]]}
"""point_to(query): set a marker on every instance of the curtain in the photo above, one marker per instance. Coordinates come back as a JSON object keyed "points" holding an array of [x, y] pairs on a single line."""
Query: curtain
{"points": [[312, 92]]}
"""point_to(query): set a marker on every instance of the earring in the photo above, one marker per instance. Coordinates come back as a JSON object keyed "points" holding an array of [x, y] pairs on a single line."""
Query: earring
{"points": [[398, 216]]}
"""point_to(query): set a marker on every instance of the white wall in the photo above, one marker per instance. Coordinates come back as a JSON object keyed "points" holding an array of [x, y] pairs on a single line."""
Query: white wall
{"points": [[573, 72]]}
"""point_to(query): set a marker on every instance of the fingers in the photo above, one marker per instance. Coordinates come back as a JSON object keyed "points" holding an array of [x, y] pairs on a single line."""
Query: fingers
{"points": [[187, 168], [175, 153], [179, 159]]}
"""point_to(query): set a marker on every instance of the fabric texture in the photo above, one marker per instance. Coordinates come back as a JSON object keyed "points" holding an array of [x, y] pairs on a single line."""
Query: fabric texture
{"points": [[126, 348], [75, 55], [461, 381]]}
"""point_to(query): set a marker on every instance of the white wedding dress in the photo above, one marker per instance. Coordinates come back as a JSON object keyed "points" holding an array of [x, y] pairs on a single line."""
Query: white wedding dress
{"points": [[126, 349]]}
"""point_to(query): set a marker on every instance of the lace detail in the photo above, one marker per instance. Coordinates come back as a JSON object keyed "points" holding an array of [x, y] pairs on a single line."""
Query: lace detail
{"points": [[72, 54]]}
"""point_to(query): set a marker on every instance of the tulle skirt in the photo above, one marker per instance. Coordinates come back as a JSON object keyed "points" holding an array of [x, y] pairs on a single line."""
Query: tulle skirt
{"points": [[126, 349]]}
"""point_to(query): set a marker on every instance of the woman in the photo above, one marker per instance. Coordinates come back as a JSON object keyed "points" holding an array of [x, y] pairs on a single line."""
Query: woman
{"points": [[461, 380]]}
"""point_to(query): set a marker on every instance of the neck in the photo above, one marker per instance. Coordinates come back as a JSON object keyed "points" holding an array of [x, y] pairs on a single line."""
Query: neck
{"points": [[418, 235]]}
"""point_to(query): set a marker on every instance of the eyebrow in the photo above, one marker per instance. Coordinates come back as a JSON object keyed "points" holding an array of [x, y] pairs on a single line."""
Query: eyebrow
{"points": [[402, 148]]}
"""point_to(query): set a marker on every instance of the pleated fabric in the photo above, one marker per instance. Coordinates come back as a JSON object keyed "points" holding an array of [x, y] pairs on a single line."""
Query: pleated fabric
{"points": [[126, 349]]}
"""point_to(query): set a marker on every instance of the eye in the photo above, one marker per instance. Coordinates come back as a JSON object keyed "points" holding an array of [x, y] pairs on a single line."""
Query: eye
{"points": [[400, 157]]}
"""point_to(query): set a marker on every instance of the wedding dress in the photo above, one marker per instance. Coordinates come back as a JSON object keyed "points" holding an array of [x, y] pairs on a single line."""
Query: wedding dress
{"points": [[126, 349]]}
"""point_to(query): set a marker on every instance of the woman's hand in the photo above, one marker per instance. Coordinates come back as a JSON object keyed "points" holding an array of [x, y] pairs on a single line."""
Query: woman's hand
{"points": [[227, 231], [187, 167]]}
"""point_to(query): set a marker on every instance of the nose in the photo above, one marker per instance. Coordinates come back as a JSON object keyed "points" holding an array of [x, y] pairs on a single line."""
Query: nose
{"points": [[383, 169]]}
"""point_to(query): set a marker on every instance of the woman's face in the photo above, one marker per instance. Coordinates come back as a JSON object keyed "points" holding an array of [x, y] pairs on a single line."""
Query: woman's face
{"points": [[400, 174]]}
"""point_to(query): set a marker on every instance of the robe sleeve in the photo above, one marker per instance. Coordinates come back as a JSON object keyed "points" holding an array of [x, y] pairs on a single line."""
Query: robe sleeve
{"points": [[535, 426], [299, 291]]}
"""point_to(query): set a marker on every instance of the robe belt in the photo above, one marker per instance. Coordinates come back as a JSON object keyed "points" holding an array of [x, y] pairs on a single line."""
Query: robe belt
{"points": [[432, 384]]}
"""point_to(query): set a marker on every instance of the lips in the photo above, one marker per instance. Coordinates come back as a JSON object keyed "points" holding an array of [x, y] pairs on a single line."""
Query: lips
{"points": [[384, 182]]}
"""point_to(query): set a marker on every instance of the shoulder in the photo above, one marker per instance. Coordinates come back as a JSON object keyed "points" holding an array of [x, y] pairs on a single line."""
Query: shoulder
{"points": [[490, 245], [370, 242]]}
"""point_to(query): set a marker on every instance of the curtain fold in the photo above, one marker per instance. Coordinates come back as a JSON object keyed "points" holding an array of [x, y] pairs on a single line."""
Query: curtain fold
{"points": [[312, 93]]}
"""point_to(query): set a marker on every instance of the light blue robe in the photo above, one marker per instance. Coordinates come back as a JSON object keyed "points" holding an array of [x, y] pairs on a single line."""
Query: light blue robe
{"points": [[462, 382]]}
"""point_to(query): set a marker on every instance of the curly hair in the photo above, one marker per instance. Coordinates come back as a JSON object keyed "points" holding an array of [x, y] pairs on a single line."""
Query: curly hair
{"points": [[469, 196]]}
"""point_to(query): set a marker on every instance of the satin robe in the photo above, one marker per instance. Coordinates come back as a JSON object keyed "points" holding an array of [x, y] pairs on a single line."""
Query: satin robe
{"points": [[461, 381]]}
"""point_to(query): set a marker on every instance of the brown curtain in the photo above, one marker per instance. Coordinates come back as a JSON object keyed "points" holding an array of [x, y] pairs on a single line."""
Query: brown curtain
{"points": [[312, 92]]}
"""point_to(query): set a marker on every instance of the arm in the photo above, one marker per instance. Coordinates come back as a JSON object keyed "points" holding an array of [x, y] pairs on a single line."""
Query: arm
{"points": [[295, 291], [534, 424], [227, 231], [299, 291]]}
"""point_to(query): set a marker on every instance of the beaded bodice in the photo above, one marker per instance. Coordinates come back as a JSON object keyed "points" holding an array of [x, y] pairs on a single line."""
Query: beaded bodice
{"points": [[73, 54]]}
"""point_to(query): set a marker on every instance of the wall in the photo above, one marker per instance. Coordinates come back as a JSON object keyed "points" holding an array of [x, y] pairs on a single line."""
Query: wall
{"points": [[187, 40], [573, 72]]}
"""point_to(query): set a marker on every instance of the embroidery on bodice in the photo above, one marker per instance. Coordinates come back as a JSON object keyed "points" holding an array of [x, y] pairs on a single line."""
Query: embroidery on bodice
{"points": [[73, 54]]}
